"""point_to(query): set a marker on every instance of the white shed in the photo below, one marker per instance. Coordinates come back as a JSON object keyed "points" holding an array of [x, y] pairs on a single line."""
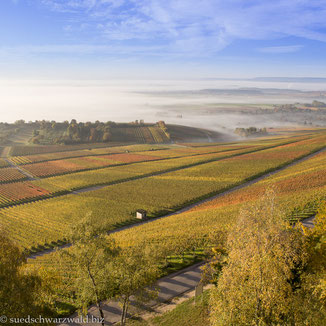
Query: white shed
{"points": [[141, 214]]}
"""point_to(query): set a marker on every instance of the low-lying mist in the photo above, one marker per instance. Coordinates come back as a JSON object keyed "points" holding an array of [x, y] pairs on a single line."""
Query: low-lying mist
{"points": [[222, 105]]}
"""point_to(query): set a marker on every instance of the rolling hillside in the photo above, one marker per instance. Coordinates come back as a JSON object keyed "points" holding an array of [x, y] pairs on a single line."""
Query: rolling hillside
{"points": [[46, 133], [133, 132]]}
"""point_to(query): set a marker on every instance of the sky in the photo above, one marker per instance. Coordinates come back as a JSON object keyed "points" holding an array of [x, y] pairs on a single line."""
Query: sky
{"points": [[161, 39], [93, 59]]}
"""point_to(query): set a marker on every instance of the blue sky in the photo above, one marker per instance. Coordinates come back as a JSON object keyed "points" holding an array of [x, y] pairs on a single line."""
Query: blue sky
{"points": [[102, 39]]}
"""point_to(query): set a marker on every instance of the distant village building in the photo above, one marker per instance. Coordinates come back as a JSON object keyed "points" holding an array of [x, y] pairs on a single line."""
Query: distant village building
{"points": [[141, 214]]}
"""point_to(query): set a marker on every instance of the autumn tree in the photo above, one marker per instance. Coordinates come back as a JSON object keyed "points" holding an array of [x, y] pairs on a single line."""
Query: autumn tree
{"points": [[18, 288], [266, 258], [90, 260], [312, 297], [135, 271], [216, 251], [317, 250]]}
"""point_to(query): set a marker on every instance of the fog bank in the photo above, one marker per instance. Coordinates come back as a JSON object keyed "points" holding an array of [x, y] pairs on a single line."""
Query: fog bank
{"points": [[151, 100]]}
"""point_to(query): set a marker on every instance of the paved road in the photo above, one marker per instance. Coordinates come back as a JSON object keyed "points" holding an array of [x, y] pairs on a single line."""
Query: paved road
{"points": [[170, 287], [308, 222]]}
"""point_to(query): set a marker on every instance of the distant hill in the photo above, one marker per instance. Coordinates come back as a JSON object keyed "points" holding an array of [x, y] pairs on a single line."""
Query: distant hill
{"points": [[291, 79], [179, 133], [161, 133], [73, 133]]}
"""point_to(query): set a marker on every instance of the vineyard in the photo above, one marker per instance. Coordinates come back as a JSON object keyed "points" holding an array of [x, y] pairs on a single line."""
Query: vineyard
{"points": [[82, 153], [149, 133], [190, 179], [31, 150], [163, 163], [102, 176], [10, 175], [138, 170], [299, 184], [50, 168], [160, 180], [97, 174], [19, 192], [201, 223]]}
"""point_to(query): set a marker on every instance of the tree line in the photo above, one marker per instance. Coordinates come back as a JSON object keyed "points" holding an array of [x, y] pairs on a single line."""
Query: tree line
{"points": [[250, 132], [72, 132]]}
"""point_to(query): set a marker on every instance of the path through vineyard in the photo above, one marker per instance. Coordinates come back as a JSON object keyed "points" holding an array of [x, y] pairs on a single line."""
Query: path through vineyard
{"points": [[170, 287], [308, 222]]}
